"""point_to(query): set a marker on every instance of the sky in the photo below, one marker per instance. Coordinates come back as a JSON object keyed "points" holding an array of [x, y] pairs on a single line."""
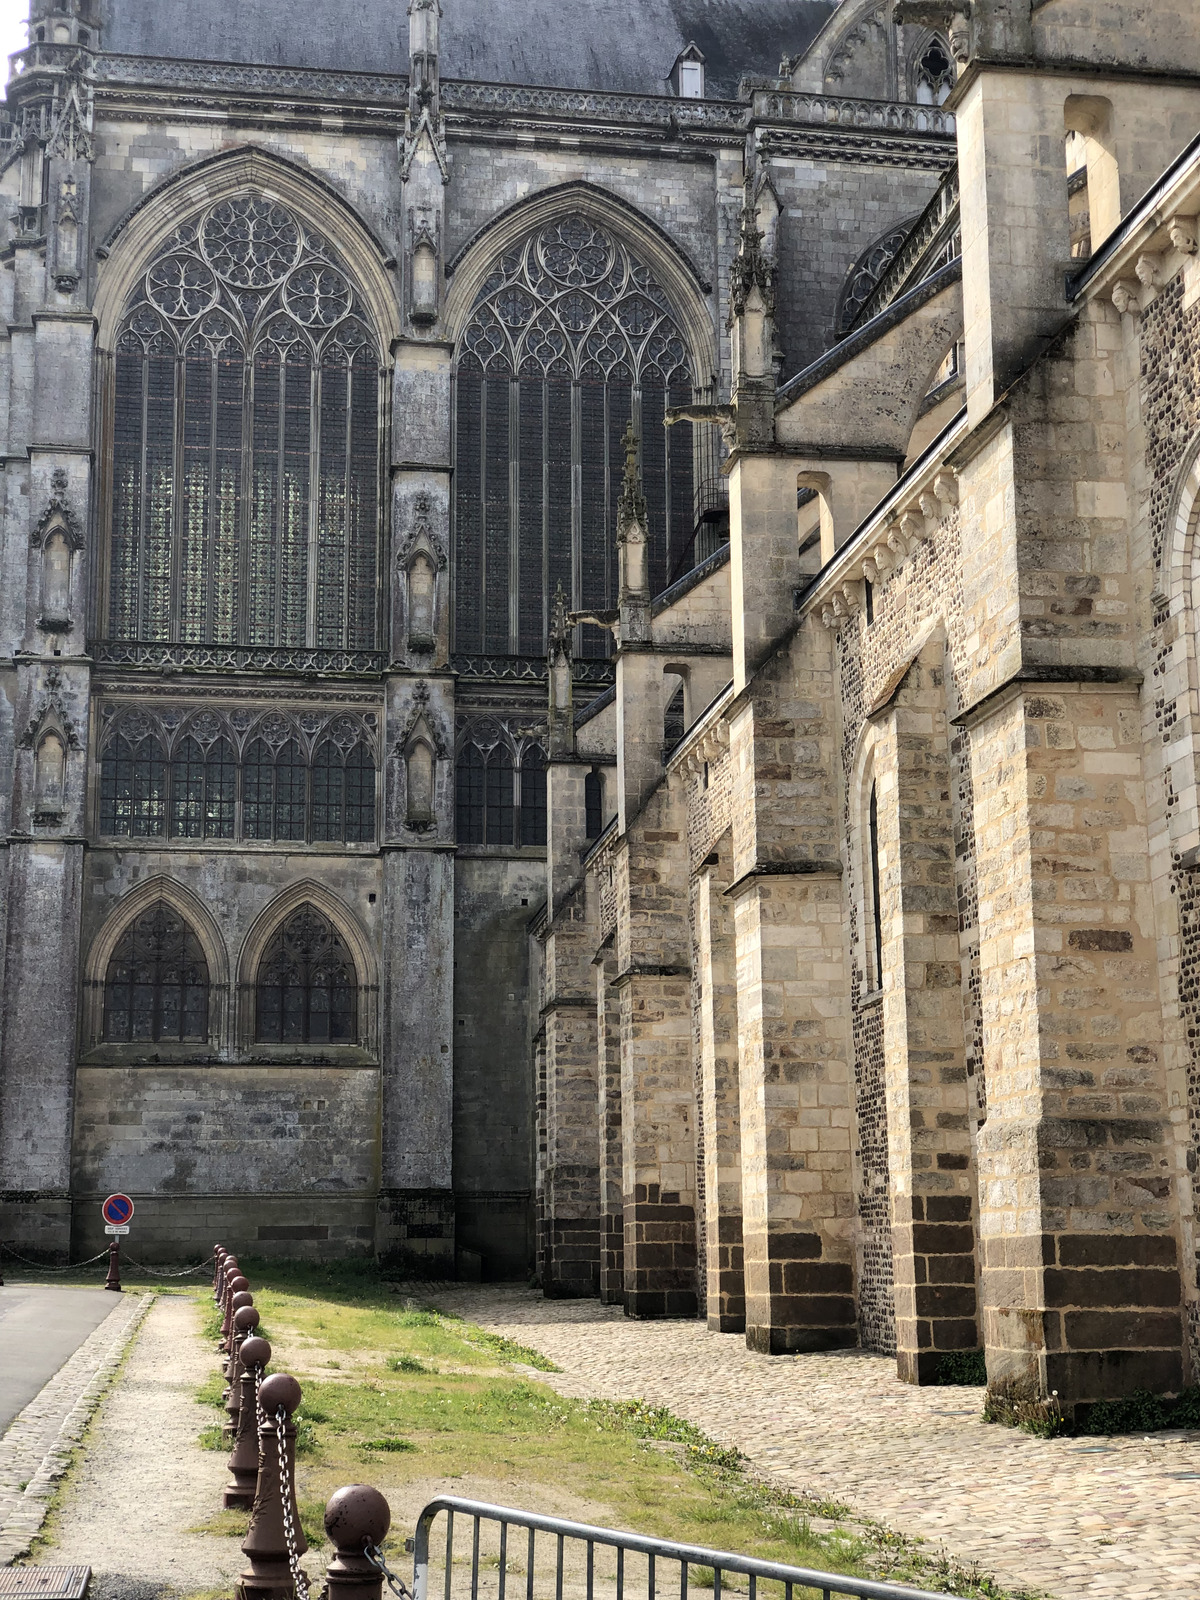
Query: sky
{"points": [[12, 30]]}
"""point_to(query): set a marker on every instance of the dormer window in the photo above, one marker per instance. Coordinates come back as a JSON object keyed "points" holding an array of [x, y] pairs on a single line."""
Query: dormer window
{"points": [[687, 75]]}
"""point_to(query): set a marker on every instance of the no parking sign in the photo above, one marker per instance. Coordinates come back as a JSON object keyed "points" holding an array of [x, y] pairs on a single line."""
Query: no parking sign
{"points": [[117, 1210]]}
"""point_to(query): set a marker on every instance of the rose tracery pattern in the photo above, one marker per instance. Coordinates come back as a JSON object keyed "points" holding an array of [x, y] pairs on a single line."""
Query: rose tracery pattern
{"points": [[246, 505]]}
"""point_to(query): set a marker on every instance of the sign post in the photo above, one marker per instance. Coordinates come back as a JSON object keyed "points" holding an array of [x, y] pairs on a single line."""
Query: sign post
{"points": [[116, 1211]]}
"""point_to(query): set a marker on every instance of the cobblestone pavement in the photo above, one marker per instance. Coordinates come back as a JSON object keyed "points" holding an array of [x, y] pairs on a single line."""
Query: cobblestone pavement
{"points": [[36, 1449], [130, 1507], [1070, 1517]]}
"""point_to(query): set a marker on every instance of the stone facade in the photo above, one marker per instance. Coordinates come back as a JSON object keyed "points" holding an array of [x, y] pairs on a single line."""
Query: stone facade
{"points": [[322, 334], [936, 824]]}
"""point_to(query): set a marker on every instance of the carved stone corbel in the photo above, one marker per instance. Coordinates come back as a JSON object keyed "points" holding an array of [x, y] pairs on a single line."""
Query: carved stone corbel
{"points": [[945, 486], [1182, 232], [1126, 296]]}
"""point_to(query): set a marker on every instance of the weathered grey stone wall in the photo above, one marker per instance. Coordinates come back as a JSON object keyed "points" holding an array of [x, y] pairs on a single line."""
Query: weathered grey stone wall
{"points": [[494, 899]]}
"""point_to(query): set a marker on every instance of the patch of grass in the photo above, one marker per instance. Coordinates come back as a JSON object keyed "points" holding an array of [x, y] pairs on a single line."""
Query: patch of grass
{"points": [[212, 1391], [213, 1438], [422, 1396], [405, 1364], [962, 1368]]}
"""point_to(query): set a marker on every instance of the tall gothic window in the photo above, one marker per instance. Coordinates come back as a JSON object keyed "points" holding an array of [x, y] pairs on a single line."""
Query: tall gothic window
{"points": [[307, 987], [246, 501], [570, 337], [156, 987]]}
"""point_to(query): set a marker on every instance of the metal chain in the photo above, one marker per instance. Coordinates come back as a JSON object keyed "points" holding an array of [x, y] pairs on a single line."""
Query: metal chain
{"points": [[395, 1582], [299, 1576], [158, 1272], [74, 1266]]}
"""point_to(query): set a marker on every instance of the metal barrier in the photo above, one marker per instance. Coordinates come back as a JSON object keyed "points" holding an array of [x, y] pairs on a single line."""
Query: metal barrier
{"points": [[795, 1581]]}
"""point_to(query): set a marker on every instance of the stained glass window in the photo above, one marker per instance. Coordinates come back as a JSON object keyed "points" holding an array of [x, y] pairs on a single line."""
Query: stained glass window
{"points": [[133, 789], [156, 987], [593, 803], [570, 337], [533, 796], [246, 506], [307, 987], [469, 795]]}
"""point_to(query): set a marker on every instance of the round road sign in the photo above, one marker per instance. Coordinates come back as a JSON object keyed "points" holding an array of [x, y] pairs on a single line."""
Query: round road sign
{"points": [[117, 1209]]}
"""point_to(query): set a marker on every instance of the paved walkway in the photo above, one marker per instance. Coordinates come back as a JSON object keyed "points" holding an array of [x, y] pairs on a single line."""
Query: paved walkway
{"points": [[143, 1484], [1072, 1517], [40, 1326], [36, 1450]]}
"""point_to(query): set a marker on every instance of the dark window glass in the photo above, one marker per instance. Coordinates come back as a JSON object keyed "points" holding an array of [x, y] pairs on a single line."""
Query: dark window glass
{"points": [[328, 786], [291, 788], [307, 989], [245, 438], [187, 791], [220, 791], [156, 987], [533, 796], [876, 908], [258, 791], [133, 790], [501, 812], [360, 796], [593, 805], [469, 795]]}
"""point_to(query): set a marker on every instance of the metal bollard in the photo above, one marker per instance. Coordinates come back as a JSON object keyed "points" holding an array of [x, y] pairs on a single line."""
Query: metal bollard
{"points": [[357, 1519], [233, 1286], [243, 1458], [245, 1320], [219, 1281], [113, 1281], [237, 1303], [276, 1540]]}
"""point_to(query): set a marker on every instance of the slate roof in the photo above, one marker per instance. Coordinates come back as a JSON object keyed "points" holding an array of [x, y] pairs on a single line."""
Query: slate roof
{"points": [[622, 46]]}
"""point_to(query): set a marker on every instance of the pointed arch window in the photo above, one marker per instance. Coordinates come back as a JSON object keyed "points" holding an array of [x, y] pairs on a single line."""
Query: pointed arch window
{"points": [[156, 986], [246, 441], [935, 75], [501, 800], [533, 795], [307, 988], [570, 337]]}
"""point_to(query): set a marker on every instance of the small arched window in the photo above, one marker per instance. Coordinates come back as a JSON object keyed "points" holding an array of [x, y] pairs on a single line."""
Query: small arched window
{"points": [[593, 804], [935, 74], [307, 988], [156, 986]]}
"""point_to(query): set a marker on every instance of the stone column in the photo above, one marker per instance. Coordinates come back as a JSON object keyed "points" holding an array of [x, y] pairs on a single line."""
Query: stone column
{"points": [[612, 1202], [720, 1099], [657, 1074], [929, 1136], [1080, 1281], [572, 1170]]}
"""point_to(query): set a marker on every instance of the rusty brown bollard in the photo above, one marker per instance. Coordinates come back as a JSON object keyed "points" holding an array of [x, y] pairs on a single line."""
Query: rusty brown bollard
{"points": [[269, 1575], [219, 1282], [243, 1458], [356, 1518], [245, 1320], [113, 1281], [237, 1303], [233, 1286]]}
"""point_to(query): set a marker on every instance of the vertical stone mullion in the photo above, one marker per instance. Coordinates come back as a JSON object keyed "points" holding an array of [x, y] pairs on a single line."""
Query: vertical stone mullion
{"points": [[572, 1176], [720, 1099]]}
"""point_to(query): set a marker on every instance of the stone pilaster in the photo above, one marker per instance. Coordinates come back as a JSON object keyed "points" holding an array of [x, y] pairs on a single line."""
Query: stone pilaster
{"points": [[929, 1137], [612, 1204], [1080, 1283], [717, 1000]]}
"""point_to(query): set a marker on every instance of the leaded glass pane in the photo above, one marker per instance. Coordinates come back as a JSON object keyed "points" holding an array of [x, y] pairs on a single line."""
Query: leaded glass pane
{"points": [[360, 796], [291, 792], [307, 989], [133, 789], [156, 986], [533, 796], [246, 332], [570, 338], [220, 791], [500, 809], [258, 791], [327, 793], [187, 791], [469, 785]]}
